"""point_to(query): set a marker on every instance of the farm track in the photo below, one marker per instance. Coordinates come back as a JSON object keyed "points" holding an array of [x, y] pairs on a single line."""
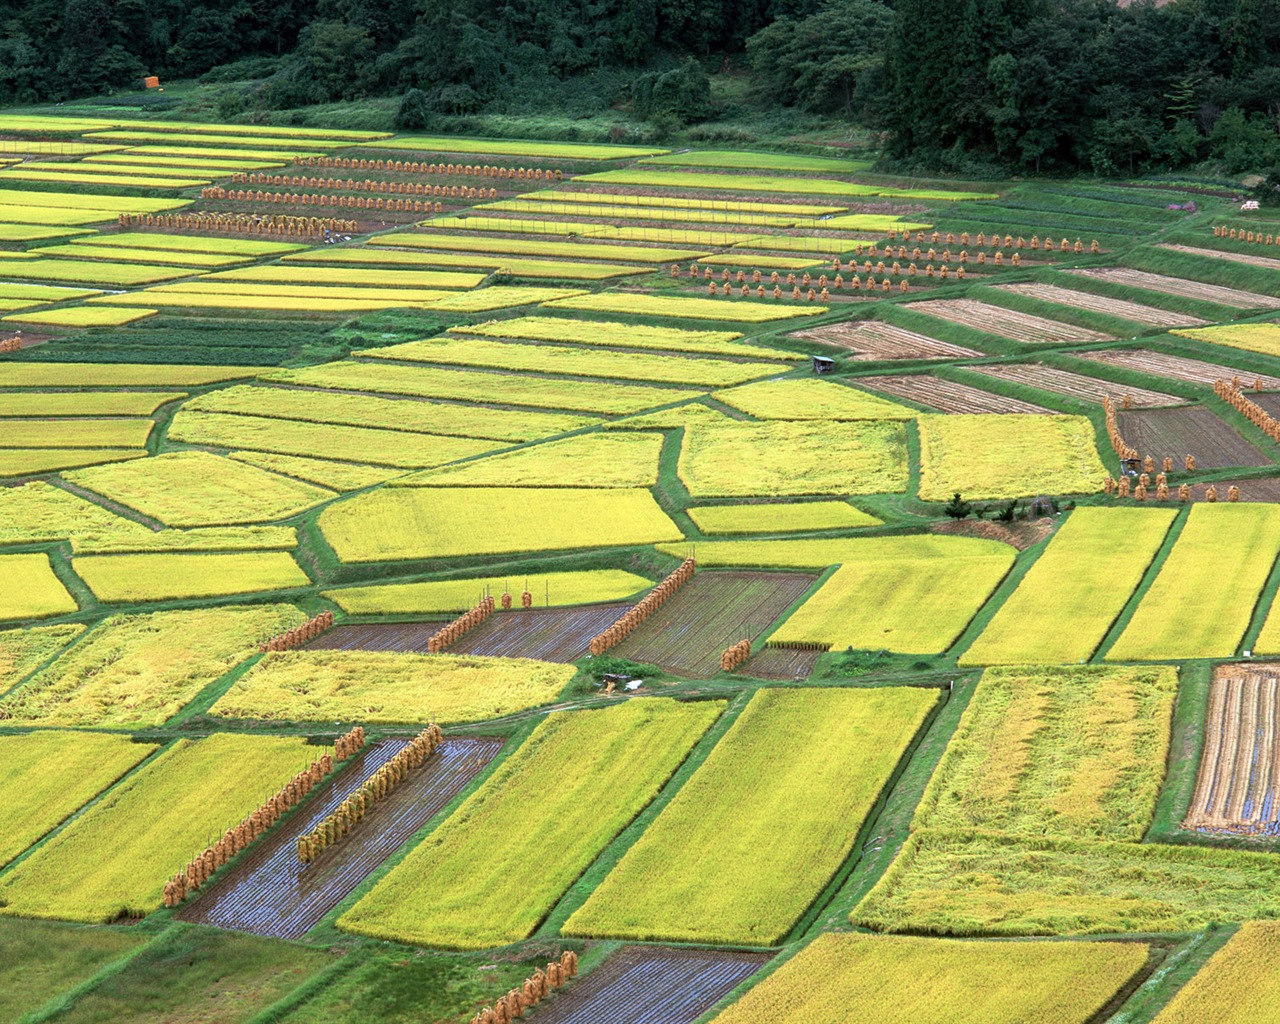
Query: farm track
{"points": [[1189, 430], [948, 396], [871, 340], [1193, 371], [1234, 298], [781, 663], [714, 610], [1122, 308], [271, 893], [1075, 385], [652, 985], [1239, 778], [548, 634], [1007, 323]]}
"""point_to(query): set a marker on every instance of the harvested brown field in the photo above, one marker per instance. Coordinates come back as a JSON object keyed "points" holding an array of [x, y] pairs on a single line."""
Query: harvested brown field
{"points": [[1122, 308], [710, 613], [781, 664], [398, 637], [1158, 364], [1239, 779], [1075, 385], [1261, 489], [269, 892], [872, 340], [548, 634], [652, 985], [1269, 401], [946, 395], [1008, 323], [1235, 298], [1270, 262], [1020, 535], [1190, 430]]}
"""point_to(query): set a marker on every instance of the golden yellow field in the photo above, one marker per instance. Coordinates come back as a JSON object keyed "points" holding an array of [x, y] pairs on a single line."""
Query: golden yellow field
{"points": [[114, 859], [50, 774], [895, 980], [1238, 985], [1007, 456], [377, 686], [165, 576], [138, 670], [31, 590]]}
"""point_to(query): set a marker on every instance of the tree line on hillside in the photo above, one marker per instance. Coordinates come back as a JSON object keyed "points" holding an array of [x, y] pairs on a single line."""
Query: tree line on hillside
{"points": [[961, 85]]}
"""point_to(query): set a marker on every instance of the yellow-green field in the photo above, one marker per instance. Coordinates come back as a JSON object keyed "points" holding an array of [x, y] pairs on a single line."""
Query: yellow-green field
{"points": [[22, 651], [168, 576], [1264, 338], [1200, 604], [1076, 752], [200, 489], [114, 859], [83, 316], [752, 311], [474, 386], [48, 775], [802, 398], [899, 980], [620, 335], [760, 828], [378, 686], [800, 517], [572, 361], [1007, 456], [75, 433], [876, 604], [430, 597], [490, 873], [1091, 567], [336, 476], [137, 671], [732, 458], [588, 460], [31, 590], [441, 522], [84, 403], [394, 448], [1236, 986], [113, 375], [818, 554], [31, 461], [385, 413]]}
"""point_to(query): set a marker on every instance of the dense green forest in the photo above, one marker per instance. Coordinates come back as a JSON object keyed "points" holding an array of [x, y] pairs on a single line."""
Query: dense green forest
{"points": [[961, 85]]}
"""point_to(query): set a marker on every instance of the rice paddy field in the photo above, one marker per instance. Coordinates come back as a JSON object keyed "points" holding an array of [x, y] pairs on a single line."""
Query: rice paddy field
{"points": [[837, 746], [906, 980], [567, 818], [113, 860], [780, 545]]}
